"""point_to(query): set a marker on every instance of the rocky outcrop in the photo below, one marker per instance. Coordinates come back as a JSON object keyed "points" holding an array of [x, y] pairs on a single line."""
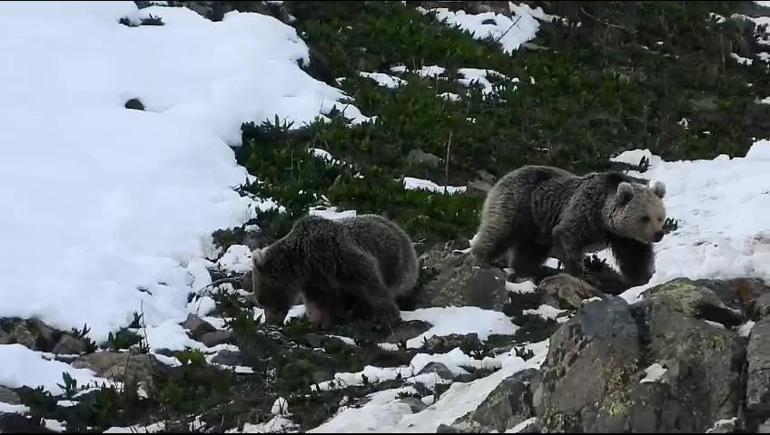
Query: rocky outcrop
{"points": [[458, 282], [507, 406], [126, 367], [674, 362], [36, 335]]}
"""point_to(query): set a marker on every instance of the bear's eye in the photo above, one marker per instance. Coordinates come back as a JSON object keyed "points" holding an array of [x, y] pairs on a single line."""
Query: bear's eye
{"points": [[645, 218]]}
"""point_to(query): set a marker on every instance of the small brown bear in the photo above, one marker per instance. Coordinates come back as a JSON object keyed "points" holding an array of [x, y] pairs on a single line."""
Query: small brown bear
{"points": [[538, 211], [359, 264]]}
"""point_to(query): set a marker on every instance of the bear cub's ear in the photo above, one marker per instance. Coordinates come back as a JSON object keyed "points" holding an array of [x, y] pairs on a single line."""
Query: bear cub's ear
{"points": [[659, 189], [625, 193]]}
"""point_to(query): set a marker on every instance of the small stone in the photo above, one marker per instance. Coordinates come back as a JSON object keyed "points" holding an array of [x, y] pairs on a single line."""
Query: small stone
{"points": [[420, 157], [197, 326], [438, 368], [228, 358], [566, 291], [69, 345], [134, 104], [211, 339], [403, 331]]}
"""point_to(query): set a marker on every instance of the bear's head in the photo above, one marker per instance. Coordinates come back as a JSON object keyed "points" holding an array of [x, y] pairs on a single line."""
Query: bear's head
{"points": [[274, 285], [638, 212]]}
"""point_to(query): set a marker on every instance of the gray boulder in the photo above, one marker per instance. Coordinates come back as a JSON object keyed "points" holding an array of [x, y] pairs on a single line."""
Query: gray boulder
{"points": [[458, 282], [662, 365]]}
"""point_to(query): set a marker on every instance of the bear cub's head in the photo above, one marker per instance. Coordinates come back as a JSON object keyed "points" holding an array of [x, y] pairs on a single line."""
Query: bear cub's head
{"points": [[638, 212], [273, 285]]}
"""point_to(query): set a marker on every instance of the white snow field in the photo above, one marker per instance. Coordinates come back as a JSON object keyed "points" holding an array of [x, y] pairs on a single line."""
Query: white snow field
{"points": [[99, 201]]}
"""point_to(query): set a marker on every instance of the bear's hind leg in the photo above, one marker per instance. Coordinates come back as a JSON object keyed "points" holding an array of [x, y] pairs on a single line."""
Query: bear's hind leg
{"points": [[361, 279], [528, 259]]}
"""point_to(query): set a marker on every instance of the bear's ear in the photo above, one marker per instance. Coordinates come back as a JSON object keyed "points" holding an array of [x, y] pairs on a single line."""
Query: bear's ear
{"points": [[625, 193], [659, 189]]}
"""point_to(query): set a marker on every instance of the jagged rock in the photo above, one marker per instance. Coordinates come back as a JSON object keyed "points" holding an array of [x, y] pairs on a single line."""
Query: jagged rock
{"points": [[566, 291], [445, 343], [761, 307], [505, 407], [461, 283], [211, 339], [121, 366], [439, 369], [420, 157], [31, 333], [9, 396], [403, 331], [197, 326], [5, 338], [654, 367], [70, 345], [229, 358], [588, 358], [758, 356], [739, 294], [694, 300]]}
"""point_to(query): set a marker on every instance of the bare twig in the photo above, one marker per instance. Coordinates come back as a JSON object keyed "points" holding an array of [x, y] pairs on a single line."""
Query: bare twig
{"points": [[605, 22], [232, 280], [509, 29], [446, 166]]}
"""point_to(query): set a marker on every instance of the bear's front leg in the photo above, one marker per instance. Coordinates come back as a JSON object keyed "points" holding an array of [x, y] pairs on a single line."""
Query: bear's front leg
{"points": [[569, 249]]}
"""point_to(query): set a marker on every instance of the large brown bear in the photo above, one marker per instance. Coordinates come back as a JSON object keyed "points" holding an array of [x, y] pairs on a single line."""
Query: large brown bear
{"points": [[536, 212]]}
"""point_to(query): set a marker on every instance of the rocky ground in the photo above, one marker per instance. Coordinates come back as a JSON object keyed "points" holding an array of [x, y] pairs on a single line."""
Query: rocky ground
{"points": [[560, 355]]}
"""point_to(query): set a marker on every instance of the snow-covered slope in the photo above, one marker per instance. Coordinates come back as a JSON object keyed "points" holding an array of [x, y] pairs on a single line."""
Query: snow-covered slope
{"points": [[98, 200]]}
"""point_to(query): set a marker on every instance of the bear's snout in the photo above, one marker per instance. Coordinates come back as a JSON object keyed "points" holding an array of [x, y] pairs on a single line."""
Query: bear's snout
{"points": [[659, 236]]}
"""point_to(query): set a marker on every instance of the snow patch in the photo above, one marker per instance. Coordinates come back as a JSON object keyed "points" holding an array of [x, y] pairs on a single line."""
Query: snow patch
{"points": [[741, 60], [459, 320], [745, 329], [331, 213], [546, 312], [521, 287], [7, 408], [653, 373], [383, 79], [509, 32], [236, 259], [24, 367], [411, 183], [135, 194]]}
